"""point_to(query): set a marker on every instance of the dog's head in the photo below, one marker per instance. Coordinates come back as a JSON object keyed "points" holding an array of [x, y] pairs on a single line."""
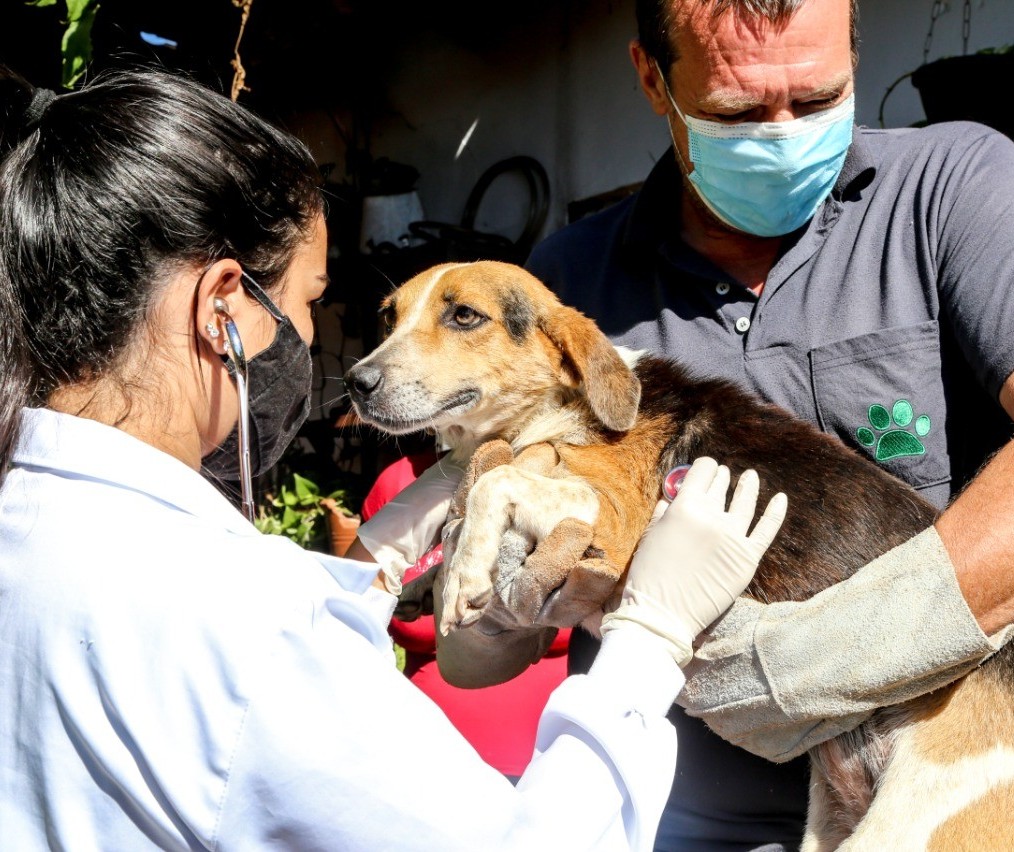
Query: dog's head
{"points": [[474, 349]]}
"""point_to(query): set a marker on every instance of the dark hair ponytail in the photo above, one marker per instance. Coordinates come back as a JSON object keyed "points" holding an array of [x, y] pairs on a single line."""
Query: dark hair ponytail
{"points": [[105, 190]]}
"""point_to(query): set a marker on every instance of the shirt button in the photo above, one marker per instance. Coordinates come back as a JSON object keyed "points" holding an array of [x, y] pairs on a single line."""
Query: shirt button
{"points": [[722, 288], [743, 325]]}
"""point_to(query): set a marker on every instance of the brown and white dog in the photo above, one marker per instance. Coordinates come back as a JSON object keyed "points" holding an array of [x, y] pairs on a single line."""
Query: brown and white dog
{"points": [[484, 351]]}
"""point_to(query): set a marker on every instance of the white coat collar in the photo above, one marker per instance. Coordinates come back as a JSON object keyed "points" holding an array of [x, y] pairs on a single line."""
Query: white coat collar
{"points": [[82, 448]]}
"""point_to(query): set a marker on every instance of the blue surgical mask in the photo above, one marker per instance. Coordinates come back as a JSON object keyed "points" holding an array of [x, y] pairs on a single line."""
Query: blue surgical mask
{"points": [[768, 178]]}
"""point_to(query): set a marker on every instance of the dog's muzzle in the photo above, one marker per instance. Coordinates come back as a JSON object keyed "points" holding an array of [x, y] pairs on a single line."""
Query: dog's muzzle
{"points": [[402, 406]]}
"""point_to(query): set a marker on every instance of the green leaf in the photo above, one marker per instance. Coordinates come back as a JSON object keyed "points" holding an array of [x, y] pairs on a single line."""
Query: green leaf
{"points": [[307, 489], [40, 3], [77, 40]]}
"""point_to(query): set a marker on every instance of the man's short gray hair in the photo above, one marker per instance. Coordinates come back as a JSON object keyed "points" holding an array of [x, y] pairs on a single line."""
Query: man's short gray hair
{"points": [[655, 21]]}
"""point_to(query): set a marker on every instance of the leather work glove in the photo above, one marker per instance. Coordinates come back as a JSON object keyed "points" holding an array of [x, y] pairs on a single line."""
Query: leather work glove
{"points": [[409, 524], [696, 557]]}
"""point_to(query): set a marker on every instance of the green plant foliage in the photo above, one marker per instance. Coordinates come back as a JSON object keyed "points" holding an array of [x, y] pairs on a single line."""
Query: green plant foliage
{"points": [[76, 47], [298, 513], [77, 40]]}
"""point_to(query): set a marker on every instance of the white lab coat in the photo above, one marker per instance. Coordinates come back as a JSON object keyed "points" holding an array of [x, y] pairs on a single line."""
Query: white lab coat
{"points": [[171, 678]]}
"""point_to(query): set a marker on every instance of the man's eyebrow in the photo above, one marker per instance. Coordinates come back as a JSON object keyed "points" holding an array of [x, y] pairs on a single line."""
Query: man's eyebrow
{"points": [[726, 102], [829, 89], [733, 102]]}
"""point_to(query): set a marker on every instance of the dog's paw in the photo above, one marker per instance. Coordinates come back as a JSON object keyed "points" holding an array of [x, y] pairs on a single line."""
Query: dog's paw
{"points": [[464, 598], [524, 589], [587, 588], [466, 591]]}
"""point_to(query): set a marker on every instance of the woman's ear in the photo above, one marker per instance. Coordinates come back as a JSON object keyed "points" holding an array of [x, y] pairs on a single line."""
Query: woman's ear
{"points": [[221, 285]]}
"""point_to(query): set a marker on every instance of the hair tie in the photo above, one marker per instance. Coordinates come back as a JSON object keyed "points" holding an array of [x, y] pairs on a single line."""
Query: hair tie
{"points": [[41, 99]]}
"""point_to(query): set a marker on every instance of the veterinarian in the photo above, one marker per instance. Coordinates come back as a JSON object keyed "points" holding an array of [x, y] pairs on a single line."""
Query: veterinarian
{"points": [[171, 678], [861, 279]]}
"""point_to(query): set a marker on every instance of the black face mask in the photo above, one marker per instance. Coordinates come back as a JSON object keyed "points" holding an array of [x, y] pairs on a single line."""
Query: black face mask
{"points": [[278, 387]]}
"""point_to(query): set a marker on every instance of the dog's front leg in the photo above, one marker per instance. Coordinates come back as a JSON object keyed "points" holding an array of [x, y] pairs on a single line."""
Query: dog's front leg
{"points": [[501, 499]]}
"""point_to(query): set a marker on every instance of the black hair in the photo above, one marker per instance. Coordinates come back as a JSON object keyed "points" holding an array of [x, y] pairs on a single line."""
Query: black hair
{"points": [[105, 190], [655, 22]]}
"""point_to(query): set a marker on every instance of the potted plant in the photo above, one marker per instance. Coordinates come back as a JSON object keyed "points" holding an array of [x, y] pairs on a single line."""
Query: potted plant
{"points": [[966, 87], [313, 519]]}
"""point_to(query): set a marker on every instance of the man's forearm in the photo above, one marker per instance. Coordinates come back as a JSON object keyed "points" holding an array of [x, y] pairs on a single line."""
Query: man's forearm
{"points": [[978, 531]]}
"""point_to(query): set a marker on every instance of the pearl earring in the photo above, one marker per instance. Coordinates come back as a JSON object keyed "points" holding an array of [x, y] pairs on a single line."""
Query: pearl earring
{"points": [[213, 331]]}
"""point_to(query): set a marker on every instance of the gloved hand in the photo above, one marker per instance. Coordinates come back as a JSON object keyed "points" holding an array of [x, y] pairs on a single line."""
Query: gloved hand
{"points": [[696, 557], [409, 524]]}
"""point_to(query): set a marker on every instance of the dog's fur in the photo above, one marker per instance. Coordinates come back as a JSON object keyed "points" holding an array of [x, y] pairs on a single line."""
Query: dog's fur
{"points": [[484, 351]]}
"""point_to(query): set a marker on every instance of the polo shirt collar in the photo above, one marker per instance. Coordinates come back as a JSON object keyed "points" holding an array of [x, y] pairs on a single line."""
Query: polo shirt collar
{"points": [[656, 207], [86, 449], [653, 224], [858, 169]]}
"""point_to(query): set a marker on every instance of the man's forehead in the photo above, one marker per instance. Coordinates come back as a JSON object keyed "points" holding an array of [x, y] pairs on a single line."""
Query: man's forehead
{"points": [[701, 21], [725, 56]]}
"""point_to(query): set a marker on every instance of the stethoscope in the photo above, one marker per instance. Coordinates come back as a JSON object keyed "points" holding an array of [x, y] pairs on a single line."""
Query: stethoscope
{"points": [[237, 358]]}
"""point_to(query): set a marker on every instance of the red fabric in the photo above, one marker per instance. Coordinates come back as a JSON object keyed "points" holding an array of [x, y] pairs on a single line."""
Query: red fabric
{"points": [[499, 721]]}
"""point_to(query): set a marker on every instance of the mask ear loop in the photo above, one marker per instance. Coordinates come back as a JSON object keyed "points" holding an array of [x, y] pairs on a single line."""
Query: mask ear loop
{"points": [[679, 112], [237, 359]]}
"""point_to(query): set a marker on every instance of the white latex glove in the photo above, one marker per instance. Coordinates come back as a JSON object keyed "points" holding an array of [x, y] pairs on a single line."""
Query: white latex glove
{"points": [[409, 524], [696, 557]]}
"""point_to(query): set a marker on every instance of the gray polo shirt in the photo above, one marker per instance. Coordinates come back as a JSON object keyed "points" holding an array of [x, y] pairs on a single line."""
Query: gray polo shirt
{"points": [[888, 321]]}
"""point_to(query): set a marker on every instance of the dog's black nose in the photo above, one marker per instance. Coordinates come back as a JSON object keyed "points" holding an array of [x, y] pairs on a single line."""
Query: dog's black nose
{"points": [[362, 381]]}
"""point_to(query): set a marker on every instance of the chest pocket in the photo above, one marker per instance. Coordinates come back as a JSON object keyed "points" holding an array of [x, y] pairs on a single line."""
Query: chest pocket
{"points": [[882, 393]]}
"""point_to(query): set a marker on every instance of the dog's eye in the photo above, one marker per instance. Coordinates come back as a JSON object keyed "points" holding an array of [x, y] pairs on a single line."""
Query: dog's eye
{"points": [[466, 317], [387, 319]]}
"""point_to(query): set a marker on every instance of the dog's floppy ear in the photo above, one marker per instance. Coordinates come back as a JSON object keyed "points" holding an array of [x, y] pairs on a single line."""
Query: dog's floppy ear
{"points": [[610, 387]]}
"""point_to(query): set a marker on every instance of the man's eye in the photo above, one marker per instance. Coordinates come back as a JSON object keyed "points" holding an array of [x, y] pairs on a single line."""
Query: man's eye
{"points": [[735, 118], [466, 317], [810, 107]]}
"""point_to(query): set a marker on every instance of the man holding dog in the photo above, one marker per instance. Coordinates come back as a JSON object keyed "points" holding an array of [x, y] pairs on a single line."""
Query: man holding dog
{"points": [[860, 279]]}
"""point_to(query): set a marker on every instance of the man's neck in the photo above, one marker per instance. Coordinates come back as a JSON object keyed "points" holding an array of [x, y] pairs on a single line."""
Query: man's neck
{"points": [[746, 258]]}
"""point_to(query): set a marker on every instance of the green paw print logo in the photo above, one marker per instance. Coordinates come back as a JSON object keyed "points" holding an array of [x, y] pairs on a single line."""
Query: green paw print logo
{"points": [[892, 443]]}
